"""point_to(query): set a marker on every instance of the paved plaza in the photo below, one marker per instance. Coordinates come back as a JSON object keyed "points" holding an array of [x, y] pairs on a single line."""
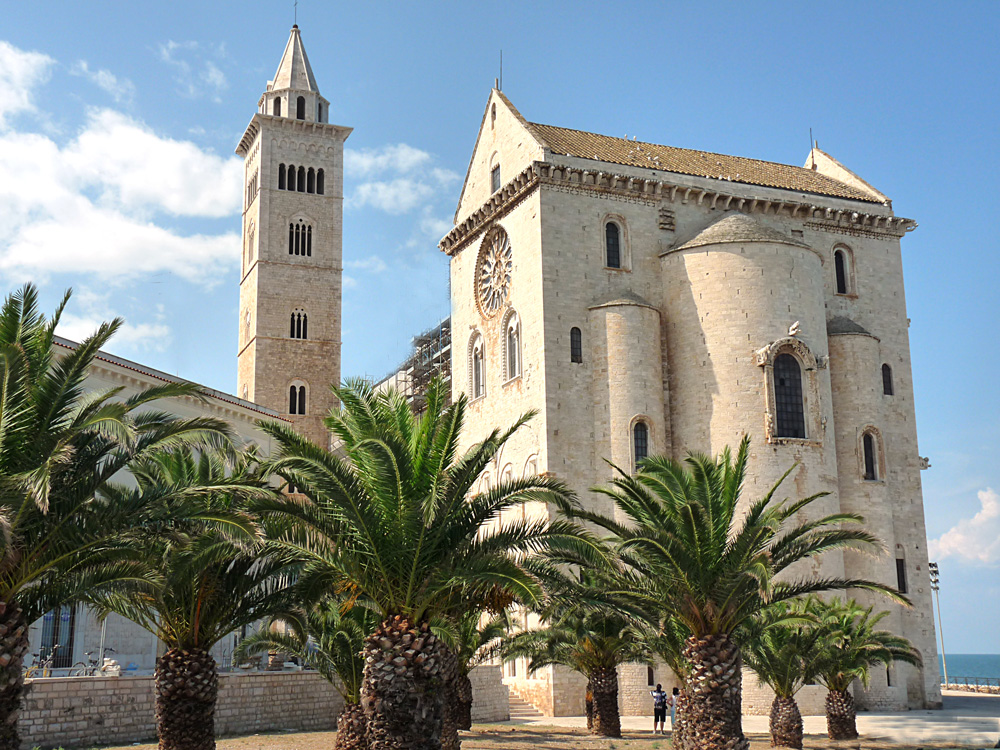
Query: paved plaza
{"points": [[967, 719]]}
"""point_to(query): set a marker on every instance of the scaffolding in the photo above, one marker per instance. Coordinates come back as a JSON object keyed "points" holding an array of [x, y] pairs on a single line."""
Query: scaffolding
{"points": [[430, 358]]}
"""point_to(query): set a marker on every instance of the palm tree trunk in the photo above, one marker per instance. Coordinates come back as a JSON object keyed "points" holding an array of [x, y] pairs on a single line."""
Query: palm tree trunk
{"points": [[450, 718], [712, 719], [187, 685], [402, 691], [589, 701], [351, 728], [677, 724], [464, 701], [607, 722], [786, 723], [841, 715], [13, 647]]}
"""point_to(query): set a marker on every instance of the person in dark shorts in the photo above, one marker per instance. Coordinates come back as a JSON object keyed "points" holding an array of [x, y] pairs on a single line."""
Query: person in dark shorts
{"points": [[660, 700]]}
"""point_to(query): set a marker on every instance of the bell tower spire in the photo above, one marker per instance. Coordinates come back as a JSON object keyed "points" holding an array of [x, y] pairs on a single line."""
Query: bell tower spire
{"points": [[291, 268]]}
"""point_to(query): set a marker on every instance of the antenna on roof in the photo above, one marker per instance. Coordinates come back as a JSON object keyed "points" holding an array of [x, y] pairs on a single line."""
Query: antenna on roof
{"points": [[812, 159]]}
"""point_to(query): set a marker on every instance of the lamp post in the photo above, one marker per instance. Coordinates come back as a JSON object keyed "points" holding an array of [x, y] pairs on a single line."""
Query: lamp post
{"points": [[932, 568]]}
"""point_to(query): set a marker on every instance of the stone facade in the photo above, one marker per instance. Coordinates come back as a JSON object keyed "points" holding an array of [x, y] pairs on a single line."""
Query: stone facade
{"points": [[725, 266], [86, 711], [290, 283], [490, 697]]}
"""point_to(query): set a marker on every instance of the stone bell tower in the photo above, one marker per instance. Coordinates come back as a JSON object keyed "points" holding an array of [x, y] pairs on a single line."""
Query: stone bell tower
{"points": [[291, 265]]}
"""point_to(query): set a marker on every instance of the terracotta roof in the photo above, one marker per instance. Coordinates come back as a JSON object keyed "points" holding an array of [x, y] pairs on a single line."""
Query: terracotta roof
{"points": [[697, 163], [738, 228]]}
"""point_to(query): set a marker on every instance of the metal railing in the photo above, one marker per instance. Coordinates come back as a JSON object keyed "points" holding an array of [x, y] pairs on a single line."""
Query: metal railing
{"points": [[987, 684]]}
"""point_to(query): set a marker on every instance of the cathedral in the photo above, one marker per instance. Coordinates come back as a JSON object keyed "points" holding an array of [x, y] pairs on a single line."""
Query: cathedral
{"points": [[642, 299]]}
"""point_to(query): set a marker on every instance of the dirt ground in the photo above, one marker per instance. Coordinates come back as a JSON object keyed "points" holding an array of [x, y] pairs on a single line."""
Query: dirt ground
{"points": [[505, 737]]}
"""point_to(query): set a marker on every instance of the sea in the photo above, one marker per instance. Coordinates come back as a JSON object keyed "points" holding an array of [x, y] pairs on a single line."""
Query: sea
{"points": [[972, 665]]}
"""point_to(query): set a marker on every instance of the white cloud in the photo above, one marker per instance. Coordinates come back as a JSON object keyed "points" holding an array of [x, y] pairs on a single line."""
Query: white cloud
{"points": [[94, 310], [975, 539], [372, 263], [195, 73], [120, 89], [397, 196], [394, 158], [21, 73]]}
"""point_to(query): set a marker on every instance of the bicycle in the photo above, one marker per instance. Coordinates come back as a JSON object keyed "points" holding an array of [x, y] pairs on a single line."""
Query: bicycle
{"points": [[92, 667], [42, 667]]}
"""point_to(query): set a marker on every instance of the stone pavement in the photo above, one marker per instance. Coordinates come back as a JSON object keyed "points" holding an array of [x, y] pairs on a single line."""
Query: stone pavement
{"points": [[967, 719]]}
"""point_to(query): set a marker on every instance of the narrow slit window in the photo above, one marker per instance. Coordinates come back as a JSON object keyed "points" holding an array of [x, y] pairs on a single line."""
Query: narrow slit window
{"points": [[309, 241], [612, 239], [293, 400], [887, 380], [513, 350], [319, 182], [840, 265], [640, 442], [575, 345], [871, 462], [302, 399], [789, 409], [281, 177], [478, 372], [291, 239], [900, 575], [650, 676], [277, 107], [300, 108], [311, 181]]}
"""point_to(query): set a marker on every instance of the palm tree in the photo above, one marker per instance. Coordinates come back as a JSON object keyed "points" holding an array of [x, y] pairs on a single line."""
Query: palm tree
{"points": [[780, 649], [203, 575], [392, 516], [330, 641], [474, 638], [688, 551], [593, 642], [850, 645], [59, 445]]}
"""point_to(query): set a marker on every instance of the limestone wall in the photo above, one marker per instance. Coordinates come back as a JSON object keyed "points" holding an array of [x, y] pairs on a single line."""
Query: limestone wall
{"points": [[757, 698], [83, 711], [490, 697]]}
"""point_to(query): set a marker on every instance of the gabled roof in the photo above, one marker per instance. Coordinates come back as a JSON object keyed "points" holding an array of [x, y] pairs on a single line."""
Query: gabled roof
{"points": [[696, 163], [294, 71], [738, 228]]}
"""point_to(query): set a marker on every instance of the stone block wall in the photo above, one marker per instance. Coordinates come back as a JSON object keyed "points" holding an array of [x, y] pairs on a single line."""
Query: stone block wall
{"points": [[83, 711], [490, 697], [757, 698]]}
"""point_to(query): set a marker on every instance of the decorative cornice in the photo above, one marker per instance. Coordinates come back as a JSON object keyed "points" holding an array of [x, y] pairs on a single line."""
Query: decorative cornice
{"points": [[287, 123], [658, 191]]}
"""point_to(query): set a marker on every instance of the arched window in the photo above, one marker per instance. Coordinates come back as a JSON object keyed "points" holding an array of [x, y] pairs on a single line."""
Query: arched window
{"points": [[277, 107], [887, 380], [311, 181], [871, 456], [478, 369], [512, 347], [301, 183], [575, 345], [640, 442], [293, 400], [612, 242], [299, 325], [299, 238], [309, 240], [495, 179], [281, 177], [319, 111], [650, 676], [789, 407], [319, 181], [843, 267], [300, 108]]}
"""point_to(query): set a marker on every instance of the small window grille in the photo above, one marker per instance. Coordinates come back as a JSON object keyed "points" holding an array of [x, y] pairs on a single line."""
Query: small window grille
{"points": [[640, 442], [887, 380], [789, 409], [495, 179], [575, 345], [901, 575], [612, 237]]}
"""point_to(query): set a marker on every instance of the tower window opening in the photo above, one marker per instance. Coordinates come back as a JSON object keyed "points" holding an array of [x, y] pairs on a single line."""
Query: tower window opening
{"points": [[640, 442], [900, 575], [650, 676], [291, 177], [299, 328], [319, 181], [309, 241], [301, 183], [319, 112], [887, 380], [281, 177], [495, 179], [311, 181], [300, 108], [612, 239], [293, 400], [302, 399], [871, 463], [789, 407], [575, 345], [277, 107], [513, 348]]}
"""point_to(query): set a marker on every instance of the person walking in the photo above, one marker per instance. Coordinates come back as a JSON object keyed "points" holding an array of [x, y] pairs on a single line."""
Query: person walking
{"points": [[673, 708], [660, 701]]}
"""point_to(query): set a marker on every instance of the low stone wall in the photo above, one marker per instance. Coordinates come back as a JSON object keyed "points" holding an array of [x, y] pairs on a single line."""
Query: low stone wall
{"points": [[81, 711], [490, 697]]}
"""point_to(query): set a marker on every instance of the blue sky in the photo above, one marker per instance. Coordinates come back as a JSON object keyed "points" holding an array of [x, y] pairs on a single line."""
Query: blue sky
{"points": [[117, 175]]}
